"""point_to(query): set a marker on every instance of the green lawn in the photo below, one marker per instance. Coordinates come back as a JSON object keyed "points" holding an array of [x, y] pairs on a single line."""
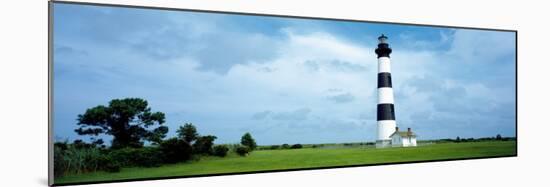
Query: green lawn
{"points": [[305, 158]]}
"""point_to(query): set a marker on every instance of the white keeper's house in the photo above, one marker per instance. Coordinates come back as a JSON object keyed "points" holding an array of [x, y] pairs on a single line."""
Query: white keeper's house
{"points": [[403, 138]]}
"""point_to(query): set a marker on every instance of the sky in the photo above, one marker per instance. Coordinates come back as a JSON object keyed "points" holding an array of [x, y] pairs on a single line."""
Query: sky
{"points": [[284, 80]]}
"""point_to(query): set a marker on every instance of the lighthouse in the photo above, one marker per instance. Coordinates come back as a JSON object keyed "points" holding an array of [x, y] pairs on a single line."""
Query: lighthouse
{"points": [[385, 117]]}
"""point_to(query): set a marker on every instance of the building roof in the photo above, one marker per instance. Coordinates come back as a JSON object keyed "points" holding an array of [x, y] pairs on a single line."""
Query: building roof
{"points": [[404, 134]]}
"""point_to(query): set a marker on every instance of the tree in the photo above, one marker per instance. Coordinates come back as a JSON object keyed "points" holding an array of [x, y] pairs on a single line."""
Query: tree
{"points": [[203, 144], [158, 134], [457, 139], [499, 137], [248, 141], [128, 120], [188, 132]]}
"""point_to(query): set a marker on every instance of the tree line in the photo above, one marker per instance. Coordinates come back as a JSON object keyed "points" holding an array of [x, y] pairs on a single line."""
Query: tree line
{"points": [[459, 139]]}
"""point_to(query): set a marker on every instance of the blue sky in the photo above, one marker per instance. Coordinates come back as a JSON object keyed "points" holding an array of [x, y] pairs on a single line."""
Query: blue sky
{"points": [[285, 80]]}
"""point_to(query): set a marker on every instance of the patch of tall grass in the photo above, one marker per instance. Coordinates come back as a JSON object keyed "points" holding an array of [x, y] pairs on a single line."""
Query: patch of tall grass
{"points": [[70, 158]]}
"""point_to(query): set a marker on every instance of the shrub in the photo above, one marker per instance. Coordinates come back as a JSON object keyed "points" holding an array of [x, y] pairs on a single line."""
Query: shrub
{"points": [[274, 147], [242, 150], [203, 144], [285, 146], [233, 147], [140, 157], [296, 146], [148, 157], [110, 165], [220, 150], [175, 150], [123, 156]]}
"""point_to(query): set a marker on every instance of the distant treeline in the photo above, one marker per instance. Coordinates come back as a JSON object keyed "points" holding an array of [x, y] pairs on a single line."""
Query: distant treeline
{"points": [[372, 144], [325, 145], [458, 139]]}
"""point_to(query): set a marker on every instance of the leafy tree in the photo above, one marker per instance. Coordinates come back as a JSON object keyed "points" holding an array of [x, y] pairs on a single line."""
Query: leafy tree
{"points": [[97, 142], [188, 132], [127, 120], [457, 139], [248, 141], [203, 144], [158, 135], [499, 137]]}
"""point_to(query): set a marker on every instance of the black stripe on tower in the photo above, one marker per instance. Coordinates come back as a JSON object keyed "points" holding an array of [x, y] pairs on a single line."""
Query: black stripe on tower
{"points": [[383, 50], [384, 80], [385, 111]]}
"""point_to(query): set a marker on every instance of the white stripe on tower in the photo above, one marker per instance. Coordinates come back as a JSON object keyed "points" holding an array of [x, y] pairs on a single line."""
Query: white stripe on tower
{"points": [[384, 64], [385, 110], [385, 95]]}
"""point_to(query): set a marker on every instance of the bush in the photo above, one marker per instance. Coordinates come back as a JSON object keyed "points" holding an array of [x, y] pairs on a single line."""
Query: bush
{"points": [[220, 150], [233, 147], [123, 156], [285, 146], [110, 165], [175, 150], [296, 146], [139, 157], [203, 145], [274, 147], [242, 150], [148, 157]]}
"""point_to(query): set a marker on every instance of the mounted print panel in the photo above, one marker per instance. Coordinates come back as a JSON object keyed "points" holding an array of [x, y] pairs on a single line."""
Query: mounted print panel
{"points": [[148, 93]]}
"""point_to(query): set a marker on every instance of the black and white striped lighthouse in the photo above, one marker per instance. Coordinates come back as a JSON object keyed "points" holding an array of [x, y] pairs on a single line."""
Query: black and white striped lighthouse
{"points": [[385, 110]]}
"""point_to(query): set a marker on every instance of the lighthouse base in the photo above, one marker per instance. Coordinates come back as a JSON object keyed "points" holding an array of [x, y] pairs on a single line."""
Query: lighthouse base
{"points": [[383, 143]]}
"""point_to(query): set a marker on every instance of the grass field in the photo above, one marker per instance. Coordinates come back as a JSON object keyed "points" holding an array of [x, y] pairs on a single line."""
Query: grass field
{"points": [[305, 158]]}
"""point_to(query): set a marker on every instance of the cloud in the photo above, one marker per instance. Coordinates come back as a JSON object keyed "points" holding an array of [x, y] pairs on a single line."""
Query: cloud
{"points": [[295, 115], [261, 115], [479, 46], [341, 98]]}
